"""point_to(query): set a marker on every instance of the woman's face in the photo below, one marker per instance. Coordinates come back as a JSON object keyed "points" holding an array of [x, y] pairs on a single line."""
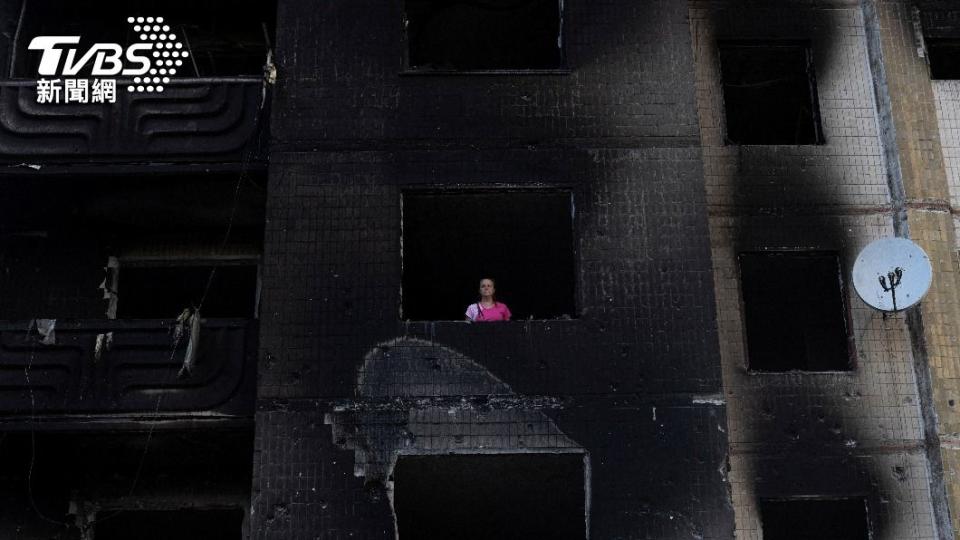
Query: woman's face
{"points": [[486, 288]]}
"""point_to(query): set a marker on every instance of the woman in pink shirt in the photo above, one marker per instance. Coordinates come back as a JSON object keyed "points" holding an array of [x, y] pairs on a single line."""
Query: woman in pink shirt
{"points": [[487, 309]]}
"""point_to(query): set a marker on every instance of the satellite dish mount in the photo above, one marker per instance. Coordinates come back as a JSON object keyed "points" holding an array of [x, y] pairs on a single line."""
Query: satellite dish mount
{"points": [[895, 276], [892, 274]]}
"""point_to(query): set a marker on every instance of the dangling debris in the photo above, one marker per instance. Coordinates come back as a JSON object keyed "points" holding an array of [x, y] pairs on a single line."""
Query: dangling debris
{"points": [[109, 286], [270, 70], [47, 330], [181, 327], [104, 342], [189, 358]]}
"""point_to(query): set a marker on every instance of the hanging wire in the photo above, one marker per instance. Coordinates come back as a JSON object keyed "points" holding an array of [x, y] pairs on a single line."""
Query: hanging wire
{"points": [[33, 435], [245, 162], [16, 40]]}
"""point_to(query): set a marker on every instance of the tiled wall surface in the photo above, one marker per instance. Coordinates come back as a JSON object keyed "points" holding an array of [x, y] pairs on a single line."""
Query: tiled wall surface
{"points": [[799, 434], [947, 94], [632, 381]]}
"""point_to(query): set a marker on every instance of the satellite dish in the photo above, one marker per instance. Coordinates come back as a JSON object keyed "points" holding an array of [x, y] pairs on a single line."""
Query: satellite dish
{"points": [[892, 274]]}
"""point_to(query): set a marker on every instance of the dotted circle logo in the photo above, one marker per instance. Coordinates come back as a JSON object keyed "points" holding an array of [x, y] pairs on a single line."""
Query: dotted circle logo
{"points": [[167, 55]]}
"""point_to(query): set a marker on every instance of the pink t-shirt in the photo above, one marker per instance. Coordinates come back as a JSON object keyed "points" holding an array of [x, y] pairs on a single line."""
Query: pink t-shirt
{"points": [[498, 312]]}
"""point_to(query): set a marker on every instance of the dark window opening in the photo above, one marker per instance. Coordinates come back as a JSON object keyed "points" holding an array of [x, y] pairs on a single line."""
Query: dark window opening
{"points": [[814, 519], [154, 220], [483, 34], [794, 311], [521, 239], [944, 56], [502, 496], [187, 524], [163, 292], [770, 93], [43, 491], [224, 38]]}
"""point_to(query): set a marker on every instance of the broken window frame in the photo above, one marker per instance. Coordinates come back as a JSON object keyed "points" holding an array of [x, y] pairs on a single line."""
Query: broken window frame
{"points": [[570, 191], [561, 69], [811, 75], [851, 353], [116, 264], [587, 470]]}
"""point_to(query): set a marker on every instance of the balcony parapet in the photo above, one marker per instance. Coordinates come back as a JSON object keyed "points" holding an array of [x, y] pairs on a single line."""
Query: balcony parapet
{"points": [[126, 367], [192, 119]]}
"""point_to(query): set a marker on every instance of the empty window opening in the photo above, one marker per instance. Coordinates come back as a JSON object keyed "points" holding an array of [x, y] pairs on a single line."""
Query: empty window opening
{"points": [[814, 519], [769, 93], [181, 218], [187, 524], [502, 496], [483, 34], [223, 38], [794, 311], [944, 57], [197, 485], [163, 292], [521, 239]]}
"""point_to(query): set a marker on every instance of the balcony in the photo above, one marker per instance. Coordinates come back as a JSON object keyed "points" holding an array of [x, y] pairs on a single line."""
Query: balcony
{"points": [[212, 119], [125, 369]]}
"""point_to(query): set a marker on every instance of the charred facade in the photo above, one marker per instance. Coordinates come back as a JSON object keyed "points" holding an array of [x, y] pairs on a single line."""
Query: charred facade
{"points": [[234, 309]]}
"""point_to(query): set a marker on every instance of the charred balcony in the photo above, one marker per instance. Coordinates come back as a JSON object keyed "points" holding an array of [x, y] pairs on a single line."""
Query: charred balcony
{"points": [[130, 295], [213, 106], [213, 119], [125, 367]]}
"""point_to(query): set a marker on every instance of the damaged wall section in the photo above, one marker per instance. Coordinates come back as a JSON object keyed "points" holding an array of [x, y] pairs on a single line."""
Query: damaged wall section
{"points": [[798, 434], [514, 496], [633, 381], [412, 403]]}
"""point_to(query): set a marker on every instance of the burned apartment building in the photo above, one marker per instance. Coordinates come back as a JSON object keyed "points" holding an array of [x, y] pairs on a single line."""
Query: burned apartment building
{"points": [[233, 307]]}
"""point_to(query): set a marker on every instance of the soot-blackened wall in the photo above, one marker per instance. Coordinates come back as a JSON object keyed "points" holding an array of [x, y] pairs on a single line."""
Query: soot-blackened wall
{"points": [[813, 431], [632, 383]]}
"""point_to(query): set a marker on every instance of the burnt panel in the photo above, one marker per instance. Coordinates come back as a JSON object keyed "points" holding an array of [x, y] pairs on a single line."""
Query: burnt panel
{"points": [[490, 496], [769, 93], [521, 239], [944, 58], [483, 34], [351, 137], [124, 366], [814, 519], [204, 120], [187, 524], [163, 292], [794, 311], [634, 79]]}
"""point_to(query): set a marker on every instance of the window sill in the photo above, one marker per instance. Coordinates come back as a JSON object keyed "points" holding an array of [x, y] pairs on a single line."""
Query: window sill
{"points": [[510, 322], [802, 372], [773, 145]]}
